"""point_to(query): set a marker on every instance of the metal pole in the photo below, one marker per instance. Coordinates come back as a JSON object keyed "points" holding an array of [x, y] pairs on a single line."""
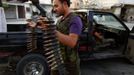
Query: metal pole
{"points": [[0, 3]]}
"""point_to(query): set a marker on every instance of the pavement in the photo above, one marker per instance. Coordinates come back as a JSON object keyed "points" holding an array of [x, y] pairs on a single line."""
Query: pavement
{"points": [[114, 66], [117, 66]]}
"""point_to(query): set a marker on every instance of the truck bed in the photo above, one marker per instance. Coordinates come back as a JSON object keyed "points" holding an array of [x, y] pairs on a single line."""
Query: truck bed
{"points": [[12, 41]]}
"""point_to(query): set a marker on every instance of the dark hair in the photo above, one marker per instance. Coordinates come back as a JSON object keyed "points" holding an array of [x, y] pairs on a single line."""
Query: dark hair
{"points": [[68, 2]]}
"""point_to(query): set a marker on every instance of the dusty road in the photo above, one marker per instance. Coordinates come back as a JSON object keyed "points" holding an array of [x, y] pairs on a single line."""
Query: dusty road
{"points": [[116, 66]]}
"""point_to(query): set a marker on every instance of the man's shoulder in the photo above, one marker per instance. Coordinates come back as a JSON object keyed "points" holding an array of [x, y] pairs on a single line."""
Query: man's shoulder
{"points": [[75, 17], [74, 14]]}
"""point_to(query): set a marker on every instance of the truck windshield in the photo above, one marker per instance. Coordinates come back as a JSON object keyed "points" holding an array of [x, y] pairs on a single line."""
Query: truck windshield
{"points": [[108, 20]]}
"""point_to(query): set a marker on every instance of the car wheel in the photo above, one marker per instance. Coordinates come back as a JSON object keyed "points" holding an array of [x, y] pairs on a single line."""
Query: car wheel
{"points": [[32, 64]]}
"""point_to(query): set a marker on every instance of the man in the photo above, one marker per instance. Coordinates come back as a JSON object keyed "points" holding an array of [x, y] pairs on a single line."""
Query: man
{"points": [[69, 27]]}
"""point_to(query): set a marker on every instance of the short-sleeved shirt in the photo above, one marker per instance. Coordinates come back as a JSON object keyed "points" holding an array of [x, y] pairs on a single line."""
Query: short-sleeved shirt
{"points": [[76, 25]]}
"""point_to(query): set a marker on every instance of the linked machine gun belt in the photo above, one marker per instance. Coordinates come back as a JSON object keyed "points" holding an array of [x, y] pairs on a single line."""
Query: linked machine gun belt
{"points": [[51, 48]]}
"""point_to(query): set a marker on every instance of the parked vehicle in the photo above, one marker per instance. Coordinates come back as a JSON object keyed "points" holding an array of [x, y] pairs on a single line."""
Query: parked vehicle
{"points": [[117, 39], [32, 52]]}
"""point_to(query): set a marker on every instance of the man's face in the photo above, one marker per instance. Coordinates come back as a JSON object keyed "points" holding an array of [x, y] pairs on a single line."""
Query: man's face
{"points": [[58, 8]]}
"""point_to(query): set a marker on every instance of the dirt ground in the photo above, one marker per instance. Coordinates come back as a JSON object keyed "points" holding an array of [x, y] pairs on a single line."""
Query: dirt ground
{"points": [[116, 66]]}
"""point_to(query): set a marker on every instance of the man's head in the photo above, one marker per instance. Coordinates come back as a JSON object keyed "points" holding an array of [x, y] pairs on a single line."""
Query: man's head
{"points": [[60, 6]]}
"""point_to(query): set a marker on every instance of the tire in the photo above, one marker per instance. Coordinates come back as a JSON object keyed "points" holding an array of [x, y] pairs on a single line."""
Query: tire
{"points": [[32, 64]]}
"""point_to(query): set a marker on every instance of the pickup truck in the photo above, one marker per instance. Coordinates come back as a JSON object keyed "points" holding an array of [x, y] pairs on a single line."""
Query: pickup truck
{"points": [[32, 58], [33, 52], [117, 41]]}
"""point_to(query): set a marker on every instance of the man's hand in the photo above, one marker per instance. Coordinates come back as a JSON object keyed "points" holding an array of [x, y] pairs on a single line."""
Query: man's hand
{"points": [[31, 23], [41, 23]]}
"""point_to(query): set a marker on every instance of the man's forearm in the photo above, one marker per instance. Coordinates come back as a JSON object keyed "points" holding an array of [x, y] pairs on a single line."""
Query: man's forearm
{"points": [[69, 40]]}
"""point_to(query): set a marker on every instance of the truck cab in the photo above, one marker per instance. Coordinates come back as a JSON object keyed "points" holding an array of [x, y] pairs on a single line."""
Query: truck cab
{"points": [[116, 38]]}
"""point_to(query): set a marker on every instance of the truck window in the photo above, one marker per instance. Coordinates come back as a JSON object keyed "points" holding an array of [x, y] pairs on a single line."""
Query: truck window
{"points": [[108, 21]]}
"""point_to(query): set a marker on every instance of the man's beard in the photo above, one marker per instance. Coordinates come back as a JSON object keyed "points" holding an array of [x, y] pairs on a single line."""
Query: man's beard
{"points": [[58, 15]]}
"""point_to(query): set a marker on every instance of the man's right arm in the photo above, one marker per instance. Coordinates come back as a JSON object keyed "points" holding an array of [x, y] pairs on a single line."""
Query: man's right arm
{"points": [[69, 40]]}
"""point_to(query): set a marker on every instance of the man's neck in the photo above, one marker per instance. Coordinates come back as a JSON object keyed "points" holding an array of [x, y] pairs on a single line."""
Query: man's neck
{"points": [[66, 13]]}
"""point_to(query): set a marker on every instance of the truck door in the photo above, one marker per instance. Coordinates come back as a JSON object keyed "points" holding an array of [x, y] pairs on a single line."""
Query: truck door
{"points": [[130, 47], [111, 28]]}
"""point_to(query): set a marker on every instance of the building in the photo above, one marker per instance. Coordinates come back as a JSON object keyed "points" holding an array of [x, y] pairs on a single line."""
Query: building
{"points": [[17, 13], [97, 4], [124, 11], [106, 4], [75, 4]]}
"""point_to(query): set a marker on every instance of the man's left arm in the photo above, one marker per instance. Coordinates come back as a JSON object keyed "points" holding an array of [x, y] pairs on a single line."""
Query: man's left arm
{"points": [[74, 32]]}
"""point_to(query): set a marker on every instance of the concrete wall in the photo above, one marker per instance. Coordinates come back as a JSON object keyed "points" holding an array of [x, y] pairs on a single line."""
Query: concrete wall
{"points": [[75, 4], [105, 4]]}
